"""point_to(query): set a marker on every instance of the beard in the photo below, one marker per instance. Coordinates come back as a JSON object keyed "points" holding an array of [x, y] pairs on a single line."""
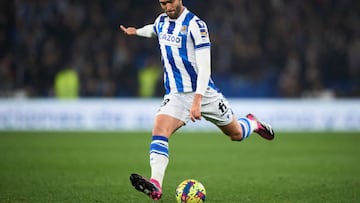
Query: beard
{"points": [[174, 14]]}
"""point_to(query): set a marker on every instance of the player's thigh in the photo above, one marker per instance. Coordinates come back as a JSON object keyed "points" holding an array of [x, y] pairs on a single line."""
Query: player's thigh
{"points": [[218, 111], [172, 114], [166, 125]]}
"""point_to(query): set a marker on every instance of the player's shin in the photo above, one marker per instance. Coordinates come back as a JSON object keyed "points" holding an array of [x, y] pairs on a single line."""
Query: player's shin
{"points": [[159, 157]]}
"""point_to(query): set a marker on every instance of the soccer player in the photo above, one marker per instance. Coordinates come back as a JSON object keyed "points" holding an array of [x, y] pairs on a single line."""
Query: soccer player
{"points": [[190, 92]]}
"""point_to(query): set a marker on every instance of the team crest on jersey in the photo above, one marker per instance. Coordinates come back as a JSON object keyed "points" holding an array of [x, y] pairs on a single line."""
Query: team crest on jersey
{"points": [[170, 39], [183, 30]]}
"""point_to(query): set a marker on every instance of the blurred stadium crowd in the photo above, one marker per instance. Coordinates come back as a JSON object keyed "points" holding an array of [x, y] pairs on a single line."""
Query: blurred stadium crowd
{"points": [[261, 49]]}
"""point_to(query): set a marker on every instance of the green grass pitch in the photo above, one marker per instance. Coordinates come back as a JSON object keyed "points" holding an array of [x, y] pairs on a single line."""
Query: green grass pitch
{"points": [[95, 167]]}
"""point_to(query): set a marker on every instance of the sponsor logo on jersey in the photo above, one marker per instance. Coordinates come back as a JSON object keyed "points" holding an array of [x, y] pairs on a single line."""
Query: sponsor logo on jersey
{"points": [[203, 32], [169, 39]]}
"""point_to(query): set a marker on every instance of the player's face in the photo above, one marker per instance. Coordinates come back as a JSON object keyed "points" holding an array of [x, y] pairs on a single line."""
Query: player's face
{"points": [[172, 8]]}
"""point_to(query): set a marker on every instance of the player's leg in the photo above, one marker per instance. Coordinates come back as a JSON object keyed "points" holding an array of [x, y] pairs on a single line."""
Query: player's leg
{"points": [[238, 130], [169, 118], [242, 128], [164, 127], [219, 112]]}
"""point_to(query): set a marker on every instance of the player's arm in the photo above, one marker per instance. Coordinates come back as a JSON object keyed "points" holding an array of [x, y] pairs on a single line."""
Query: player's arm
{"points": [[146, 31], [203, 61]]}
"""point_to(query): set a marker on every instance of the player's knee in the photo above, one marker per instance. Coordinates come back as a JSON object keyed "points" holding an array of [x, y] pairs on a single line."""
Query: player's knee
{"points": [[161, 131]]}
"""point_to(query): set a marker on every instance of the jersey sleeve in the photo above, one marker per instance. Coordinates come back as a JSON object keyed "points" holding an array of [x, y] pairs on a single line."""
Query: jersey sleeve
{"points": [[155, 26], [200, 34]]}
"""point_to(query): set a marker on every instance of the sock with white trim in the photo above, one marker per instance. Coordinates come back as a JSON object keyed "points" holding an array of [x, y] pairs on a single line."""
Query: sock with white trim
{"points": [[248, 126]]}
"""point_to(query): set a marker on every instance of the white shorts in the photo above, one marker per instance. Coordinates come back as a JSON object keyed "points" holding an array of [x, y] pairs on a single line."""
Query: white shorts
{"points": [[215, 108]]}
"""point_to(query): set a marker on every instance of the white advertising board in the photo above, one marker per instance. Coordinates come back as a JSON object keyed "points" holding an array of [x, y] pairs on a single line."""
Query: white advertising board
{"points": [[138, 114]]}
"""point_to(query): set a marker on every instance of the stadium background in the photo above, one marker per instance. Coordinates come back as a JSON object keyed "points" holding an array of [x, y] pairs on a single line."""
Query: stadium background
{"points": [[261, 49], [296, 64]]}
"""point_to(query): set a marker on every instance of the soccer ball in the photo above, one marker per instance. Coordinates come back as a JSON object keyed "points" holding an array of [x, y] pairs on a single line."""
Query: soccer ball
{"points": [[190, 191]]}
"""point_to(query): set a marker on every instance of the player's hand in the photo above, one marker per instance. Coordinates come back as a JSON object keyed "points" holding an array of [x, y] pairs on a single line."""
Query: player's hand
{"points": [[128, 30], [195, 111]]}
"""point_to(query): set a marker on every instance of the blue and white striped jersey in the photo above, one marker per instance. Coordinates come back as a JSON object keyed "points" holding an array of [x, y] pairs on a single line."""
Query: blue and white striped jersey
{"points": [[178, 40]]}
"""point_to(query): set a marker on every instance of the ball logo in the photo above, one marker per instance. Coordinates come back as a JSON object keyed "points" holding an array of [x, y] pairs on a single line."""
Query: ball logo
{"points": [[169, 39]]}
